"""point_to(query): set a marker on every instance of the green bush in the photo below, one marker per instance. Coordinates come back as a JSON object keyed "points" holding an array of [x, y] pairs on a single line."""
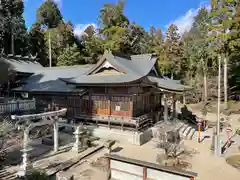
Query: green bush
{"points": [[38, 175], [238, 132]]}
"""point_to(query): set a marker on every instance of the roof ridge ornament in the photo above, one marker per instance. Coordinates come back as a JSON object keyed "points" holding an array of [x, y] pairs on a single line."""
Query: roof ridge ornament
{"points": [[10, 55], [33, 57], [18, 56]]}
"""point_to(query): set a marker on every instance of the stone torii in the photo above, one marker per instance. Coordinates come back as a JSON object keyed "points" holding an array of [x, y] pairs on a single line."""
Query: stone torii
{"points": [[48, 118]]}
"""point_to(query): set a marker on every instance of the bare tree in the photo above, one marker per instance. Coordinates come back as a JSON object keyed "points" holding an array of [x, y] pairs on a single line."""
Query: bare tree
{"points": [[9, 138], [174, 150]]}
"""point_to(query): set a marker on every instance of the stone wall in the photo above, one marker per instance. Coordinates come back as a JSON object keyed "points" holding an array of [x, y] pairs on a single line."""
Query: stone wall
{"points": [[121, 136]]}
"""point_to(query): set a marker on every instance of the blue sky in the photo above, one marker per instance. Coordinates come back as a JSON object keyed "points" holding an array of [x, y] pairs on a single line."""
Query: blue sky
{"points": [[158, 13]]}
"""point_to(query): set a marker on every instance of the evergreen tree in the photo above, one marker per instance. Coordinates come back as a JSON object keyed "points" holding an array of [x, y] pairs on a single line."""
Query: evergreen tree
{"points": [[199, 46], [222, 13], [49, 16], [70, 56], [37, 44], [173, 50], [15, 36]]}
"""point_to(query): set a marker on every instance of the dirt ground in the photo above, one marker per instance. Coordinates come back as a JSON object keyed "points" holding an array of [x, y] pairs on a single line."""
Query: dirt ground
{"points": [[201, 161], [206, 164]]}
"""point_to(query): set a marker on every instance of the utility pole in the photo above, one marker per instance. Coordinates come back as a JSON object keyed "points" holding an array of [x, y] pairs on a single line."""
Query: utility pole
{"points": [[217, 139], [50, 48]]}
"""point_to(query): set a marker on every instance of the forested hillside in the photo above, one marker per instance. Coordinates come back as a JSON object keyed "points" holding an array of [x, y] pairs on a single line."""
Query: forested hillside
{"points": [[191, 57]]}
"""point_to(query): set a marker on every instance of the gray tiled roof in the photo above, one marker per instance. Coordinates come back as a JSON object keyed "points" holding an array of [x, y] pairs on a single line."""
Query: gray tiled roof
{"points": [[47, 79], [168, 84], [22, 65], [136, 67]]}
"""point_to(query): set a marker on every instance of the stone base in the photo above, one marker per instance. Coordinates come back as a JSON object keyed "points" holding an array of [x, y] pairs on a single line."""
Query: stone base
{"points": [[78, 149], [121, 136], [64, 176], [24, 171]]}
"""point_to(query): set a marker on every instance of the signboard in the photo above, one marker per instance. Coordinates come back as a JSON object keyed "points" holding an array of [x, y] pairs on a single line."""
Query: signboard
{"points": [[117, 108]]}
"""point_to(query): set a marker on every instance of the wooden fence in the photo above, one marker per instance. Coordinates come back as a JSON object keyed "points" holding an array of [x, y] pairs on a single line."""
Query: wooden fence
{"points": [[17, 105]]}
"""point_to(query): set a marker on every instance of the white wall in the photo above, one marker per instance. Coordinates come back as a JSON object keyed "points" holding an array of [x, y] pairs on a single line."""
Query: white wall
{"points": [[133, 169], [120, 169], [159, 175]]}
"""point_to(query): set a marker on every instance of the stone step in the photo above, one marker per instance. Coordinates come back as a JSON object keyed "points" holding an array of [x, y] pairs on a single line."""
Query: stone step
{"points": [[186, 132], [179, 126], [191, 133], [8, 176], [182, 129]]}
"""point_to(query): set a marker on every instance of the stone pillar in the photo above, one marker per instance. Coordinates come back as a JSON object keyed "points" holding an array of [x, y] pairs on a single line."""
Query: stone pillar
{"points": [[77, 145], [26, 166], [55, 128], [184, 98], [174, 106], [165, 108]]}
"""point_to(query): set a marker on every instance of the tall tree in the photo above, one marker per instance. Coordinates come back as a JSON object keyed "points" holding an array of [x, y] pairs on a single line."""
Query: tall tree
{"points": [[15, 37], [156, 44], [222, 13], [37, 43], [50, 16], [199, 47], [70, 56], [234, 73], [112, 15], [173, 50]]}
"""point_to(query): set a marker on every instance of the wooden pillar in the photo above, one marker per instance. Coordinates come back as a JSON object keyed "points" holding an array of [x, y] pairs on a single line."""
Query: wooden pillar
{"points": [[144, 173], [174, 105], [109, 168], [165, 108]]}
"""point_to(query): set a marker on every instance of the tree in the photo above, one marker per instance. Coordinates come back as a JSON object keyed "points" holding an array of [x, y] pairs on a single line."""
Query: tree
{"points": [[222, 13], [14, 32], [4, 72], [62, 37], [70, 56], [50, 16], [93, 49], [138, 39], [199, 46], [114, 27], [37, 43], [173, 50], [6, 135], [112, 15], [234, 74]]}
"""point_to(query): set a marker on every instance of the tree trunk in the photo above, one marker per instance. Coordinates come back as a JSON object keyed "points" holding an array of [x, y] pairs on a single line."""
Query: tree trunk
{"points": [[12, 44], [49, 48], [225, 83], [217, 147], [205, 86]]}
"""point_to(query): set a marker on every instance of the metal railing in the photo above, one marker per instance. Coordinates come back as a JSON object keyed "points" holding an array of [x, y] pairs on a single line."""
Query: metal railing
{"points": [[17, 105]]}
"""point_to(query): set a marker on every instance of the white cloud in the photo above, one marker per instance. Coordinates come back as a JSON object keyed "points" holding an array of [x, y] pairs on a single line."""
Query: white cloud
{"points": [[184, 22], [80, 28]]}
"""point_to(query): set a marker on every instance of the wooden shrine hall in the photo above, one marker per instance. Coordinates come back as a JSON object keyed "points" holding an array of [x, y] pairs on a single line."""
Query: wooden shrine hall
{"points": [[119, 91]]}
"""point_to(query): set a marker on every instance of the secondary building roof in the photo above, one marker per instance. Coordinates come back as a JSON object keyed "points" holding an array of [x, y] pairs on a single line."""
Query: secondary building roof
{"points": [[21, 64], [169, 84], [47, 79]]}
